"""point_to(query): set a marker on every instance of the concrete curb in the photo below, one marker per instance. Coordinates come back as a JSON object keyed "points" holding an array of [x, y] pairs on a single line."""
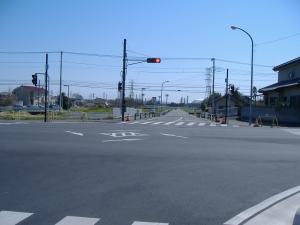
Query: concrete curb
{"points": [[248, 214]]}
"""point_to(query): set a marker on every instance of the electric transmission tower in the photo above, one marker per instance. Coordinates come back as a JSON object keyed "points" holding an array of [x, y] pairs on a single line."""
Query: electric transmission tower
{"points": [[208, 82]]}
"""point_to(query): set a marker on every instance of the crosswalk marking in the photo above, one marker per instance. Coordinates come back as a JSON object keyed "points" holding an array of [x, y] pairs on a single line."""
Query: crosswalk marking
{"points": [[223, 125], [190, 124], [212, 125], [12, 218], [147, 223], [169, 123], [157, 123], [201, 124], [75, 220], [179, 123], [147, 122], [292, 131]]}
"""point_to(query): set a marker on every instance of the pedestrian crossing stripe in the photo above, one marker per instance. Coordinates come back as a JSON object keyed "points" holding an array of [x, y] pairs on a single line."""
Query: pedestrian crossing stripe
{"points": [[179, 123], [13, 218], [190, 124], [157, 123], [75, 220]]}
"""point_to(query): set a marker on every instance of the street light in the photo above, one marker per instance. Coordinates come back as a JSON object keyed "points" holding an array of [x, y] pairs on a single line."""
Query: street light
{"points": [[161, 90], [251, 86]]}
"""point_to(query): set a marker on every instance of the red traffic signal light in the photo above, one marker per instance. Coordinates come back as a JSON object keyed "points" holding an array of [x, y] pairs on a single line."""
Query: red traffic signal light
{"points": [[153, 60]]}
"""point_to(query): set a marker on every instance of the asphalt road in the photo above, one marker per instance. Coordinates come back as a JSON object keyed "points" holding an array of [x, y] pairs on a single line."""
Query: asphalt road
{"points": [[175, 169]]}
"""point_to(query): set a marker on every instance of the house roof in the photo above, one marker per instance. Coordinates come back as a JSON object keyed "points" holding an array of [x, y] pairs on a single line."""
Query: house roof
{"points": [[288, 63], [278, 85], [243, 99], [31, 88]]}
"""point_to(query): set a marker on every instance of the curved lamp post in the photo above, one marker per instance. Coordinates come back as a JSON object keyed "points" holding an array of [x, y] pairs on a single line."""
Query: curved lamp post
{"points": [[161, 90], [251, 87]]}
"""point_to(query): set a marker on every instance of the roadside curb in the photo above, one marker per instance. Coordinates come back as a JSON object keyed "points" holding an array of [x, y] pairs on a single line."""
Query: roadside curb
{"points": [[250, 213]]}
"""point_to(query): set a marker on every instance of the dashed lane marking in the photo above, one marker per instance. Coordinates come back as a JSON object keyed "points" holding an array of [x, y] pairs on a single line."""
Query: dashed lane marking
{"points": [[76, 133], [75, 220], [12, 218], [172, 135]]}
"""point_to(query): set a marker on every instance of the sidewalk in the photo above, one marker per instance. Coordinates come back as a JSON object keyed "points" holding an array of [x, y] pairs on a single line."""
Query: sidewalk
{"points": [[280, 209]]}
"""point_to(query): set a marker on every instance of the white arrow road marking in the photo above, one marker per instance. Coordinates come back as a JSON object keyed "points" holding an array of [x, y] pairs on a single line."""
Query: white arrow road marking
{"points": [[172, 135], [12, 218], [75, 220], [126, 139], [148, 223], [71, 132], [171, 122]]}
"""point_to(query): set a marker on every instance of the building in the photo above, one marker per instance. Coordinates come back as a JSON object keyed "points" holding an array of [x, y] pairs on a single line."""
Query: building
{"points": [[286, 92], [29, 95], [235, 102]]}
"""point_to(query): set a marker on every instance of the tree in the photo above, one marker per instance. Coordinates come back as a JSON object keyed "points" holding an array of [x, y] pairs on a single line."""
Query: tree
{"points": [[208, 101]]}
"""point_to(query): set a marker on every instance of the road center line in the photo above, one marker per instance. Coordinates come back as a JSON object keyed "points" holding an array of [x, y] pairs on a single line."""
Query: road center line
{"points": [[172, 135], [76, 133]]}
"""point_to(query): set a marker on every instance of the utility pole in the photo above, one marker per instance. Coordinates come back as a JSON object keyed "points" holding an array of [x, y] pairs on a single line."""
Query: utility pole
{"points": [[167, 95], [226, 112], [46, 89], [143, 89], [123, 108], [213, 85], [60, 81]]}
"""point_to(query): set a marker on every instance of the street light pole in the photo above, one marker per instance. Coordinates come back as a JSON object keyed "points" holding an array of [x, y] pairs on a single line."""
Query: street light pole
{"points": [[161, 90], [123, 105], [251, 86]]}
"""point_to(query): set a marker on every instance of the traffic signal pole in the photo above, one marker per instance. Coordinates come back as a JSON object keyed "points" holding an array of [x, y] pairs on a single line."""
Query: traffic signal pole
{"points": [[46, 89], [123, 106]]}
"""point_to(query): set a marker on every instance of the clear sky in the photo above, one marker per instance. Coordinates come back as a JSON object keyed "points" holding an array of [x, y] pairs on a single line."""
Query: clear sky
{"points": [[163, 28]]}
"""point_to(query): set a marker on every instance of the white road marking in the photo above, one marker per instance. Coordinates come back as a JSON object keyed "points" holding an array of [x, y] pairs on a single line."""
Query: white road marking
{"points": [[124, 134], [190, 124], [127, 139], [212, 125], [12, 218], [76, 133], [148, 223], [172, 135], [147, 122], [223, 125], [235, 126], [179, 123], [75, 220], [14, 123], [157, 123], [201, 124], [171, 122], [292, 131], [135, 122]]}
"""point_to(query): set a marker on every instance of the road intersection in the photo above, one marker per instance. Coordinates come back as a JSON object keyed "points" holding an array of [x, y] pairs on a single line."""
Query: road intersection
{"points": [[112, 173]]}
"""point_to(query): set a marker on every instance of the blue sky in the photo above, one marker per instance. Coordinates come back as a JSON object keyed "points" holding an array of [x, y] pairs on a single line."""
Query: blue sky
{"points": [[169, 28]]}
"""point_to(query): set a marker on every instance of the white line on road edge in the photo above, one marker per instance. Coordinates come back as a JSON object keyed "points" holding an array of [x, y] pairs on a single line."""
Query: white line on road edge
{"points": [[173, 135], [255, 210], [75, 220], [12, 218], [171, 122], [118, 140], [14, 123], [148, 223], [71, 132]]}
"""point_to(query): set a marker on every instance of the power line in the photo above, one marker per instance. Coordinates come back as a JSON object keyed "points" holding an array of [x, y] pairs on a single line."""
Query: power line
{"points": [[277, 40]]}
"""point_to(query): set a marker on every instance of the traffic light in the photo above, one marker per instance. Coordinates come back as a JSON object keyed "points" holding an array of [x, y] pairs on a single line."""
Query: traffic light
{"points": [[120, 86], [153, 60], [232, 89], [34, 79]]}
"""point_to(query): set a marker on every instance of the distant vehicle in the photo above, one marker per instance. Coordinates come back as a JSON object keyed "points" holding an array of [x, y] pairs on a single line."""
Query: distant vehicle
{"points": [[18, 107]]}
